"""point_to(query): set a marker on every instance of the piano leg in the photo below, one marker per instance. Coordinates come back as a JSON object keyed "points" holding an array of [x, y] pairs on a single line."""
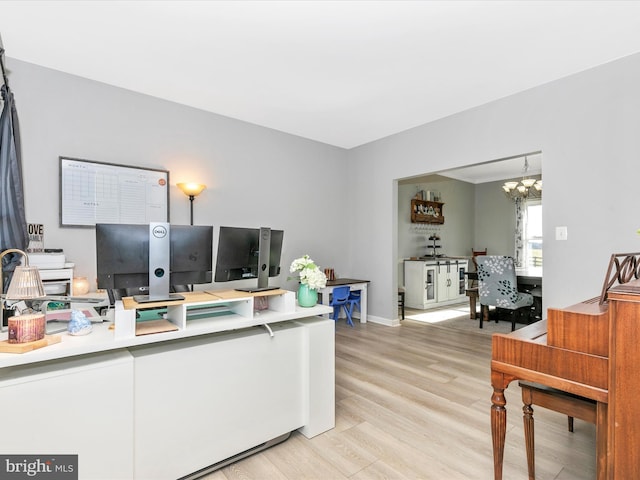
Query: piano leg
{"points": [[602, 464], [527, 416], [498, 421]]}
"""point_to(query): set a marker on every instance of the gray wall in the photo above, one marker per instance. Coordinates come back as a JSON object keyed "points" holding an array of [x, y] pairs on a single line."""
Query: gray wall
{"points": [[495, 221], [586, 126], [254, 176], [457, 230]]}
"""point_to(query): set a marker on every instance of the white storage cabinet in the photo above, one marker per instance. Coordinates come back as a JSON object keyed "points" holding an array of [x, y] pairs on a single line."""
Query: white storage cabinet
{"points": [[434, 283], [420, 284], [77, 406], [451, 280]]}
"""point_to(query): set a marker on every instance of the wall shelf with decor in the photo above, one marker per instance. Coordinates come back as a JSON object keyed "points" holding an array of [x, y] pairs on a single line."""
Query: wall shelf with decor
{"points": [[426, 211]]}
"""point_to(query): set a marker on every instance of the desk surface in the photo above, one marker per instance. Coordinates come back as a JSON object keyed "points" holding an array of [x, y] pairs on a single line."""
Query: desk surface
{"points": [[344, 281]]}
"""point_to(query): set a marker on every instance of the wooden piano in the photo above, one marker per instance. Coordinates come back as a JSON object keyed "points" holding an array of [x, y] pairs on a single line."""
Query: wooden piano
{"points": [[591, 349]]}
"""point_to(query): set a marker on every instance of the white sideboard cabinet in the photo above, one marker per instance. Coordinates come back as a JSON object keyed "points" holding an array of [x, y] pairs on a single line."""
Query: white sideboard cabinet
{"points": [[451, 280], [420, 284], [434, 283]]}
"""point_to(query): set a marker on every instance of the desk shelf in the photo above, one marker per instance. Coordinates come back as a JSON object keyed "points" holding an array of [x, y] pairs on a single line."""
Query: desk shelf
{"points": [[206, 310]]}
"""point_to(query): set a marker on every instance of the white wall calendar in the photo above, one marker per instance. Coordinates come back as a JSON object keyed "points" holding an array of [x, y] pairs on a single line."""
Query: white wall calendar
{"points": [[96, 192]]}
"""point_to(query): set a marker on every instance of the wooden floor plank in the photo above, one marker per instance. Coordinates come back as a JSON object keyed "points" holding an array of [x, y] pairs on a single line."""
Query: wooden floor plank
{"points": [[413, 402]]}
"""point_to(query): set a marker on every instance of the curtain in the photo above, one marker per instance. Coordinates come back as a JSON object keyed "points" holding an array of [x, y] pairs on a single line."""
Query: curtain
{"points": [[521, 212], [13, 224]]}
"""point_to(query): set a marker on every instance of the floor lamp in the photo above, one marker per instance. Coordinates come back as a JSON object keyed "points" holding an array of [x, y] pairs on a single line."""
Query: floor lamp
{"points": [[191, 190]]}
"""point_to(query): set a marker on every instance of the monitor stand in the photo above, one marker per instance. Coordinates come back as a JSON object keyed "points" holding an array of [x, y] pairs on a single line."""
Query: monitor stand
{"points": [[172, 297], [264, 245], [256, 289], [159, 265]]}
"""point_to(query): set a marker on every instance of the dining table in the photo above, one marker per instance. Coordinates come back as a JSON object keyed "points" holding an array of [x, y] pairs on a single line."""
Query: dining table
{"points": [[529, 276]]}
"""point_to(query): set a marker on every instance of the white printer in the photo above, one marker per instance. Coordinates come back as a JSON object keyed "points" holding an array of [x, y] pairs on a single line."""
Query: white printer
{"points": [[47, 260], [56, 274]]}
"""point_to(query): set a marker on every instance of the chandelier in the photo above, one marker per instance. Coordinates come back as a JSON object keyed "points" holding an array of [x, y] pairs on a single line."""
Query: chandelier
{"points": [[525, 188]]}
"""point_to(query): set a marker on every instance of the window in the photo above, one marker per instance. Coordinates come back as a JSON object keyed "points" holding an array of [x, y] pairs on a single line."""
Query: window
{"points": [[532, 234]]}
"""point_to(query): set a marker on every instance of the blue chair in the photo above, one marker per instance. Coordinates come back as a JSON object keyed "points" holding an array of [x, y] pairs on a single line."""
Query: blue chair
{"points": [[354, 301], [498, 287], [340, 300]]}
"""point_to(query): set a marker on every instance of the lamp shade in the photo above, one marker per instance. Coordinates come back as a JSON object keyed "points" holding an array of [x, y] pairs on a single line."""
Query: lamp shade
{"points": [[25, 284], [191, 189]]}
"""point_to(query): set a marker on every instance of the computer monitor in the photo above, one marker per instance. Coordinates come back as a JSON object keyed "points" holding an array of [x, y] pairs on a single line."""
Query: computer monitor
{"points": [[123, 257], [249, 253]]}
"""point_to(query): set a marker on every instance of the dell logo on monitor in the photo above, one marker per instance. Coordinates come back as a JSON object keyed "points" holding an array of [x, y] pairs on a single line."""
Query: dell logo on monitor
{"points": [[159, 231]]}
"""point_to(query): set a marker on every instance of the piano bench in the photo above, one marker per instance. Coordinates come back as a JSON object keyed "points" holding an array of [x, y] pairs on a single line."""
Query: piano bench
{"points": [[574, 406]]}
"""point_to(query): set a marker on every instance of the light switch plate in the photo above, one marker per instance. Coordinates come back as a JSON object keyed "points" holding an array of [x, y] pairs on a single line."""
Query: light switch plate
{"points": [[561, 233]]}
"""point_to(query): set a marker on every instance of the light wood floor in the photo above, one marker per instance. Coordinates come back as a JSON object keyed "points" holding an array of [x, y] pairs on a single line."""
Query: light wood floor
{"points": [[413, 402]]}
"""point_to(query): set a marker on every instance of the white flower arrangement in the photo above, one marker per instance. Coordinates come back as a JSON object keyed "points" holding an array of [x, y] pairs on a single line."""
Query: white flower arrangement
{"points": [[309, 274]]}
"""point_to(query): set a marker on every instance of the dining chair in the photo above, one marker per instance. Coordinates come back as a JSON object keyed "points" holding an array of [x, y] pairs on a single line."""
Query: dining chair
{"points": [[340, 301], [498, 287], [477, 253], [473, 278]]}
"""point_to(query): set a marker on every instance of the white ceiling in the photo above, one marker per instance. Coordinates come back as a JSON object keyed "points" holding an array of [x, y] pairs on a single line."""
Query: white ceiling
{"points": [[340, 72]]}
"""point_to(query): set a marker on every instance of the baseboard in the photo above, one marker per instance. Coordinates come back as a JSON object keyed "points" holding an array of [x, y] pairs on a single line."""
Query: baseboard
{"points": [[389, 322]]}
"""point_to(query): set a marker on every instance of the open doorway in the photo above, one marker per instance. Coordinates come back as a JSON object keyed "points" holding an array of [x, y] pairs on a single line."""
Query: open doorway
{"points": [[476, 213]]}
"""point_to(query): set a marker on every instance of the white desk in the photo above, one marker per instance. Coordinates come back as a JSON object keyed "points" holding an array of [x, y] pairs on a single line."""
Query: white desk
{"points": [[216, 387], [354, 284]]}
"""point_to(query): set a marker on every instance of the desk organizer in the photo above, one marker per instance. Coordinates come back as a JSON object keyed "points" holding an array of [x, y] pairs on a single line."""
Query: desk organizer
{"points": [[222, 309]]}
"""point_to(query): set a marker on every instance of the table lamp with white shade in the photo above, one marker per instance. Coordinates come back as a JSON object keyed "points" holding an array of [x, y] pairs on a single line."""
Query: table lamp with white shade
{"points": [[25, 285]]}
